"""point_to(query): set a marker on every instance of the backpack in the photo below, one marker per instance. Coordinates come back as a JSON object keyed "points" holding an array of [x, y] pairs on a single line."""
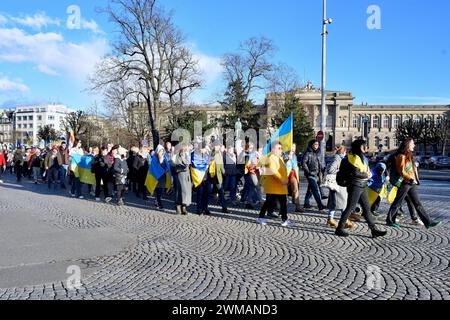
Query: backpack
{"points": [[343, 175]]}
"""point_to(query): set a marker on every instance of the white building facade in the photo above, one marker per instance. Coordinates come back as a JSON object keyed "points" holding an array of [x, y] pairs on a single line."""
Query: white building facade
{"points": [[29, 119]]}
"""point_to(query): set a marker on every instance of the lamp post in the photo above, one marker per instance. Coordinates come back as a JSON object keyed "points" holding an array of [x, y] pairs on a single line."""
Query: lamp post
{"points": [[325, 22]]}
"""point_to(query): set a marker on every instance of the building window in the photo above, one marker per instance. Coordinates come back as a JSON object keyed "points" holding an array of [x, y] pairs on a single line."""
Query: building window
{"points": [[386, 122], [30, 118], [39, 118], [51, 118], [25, 126], [396, 122], [376, 122], [344, 123], [30, 126], [387, 142], [406, 119], [19, 118], [396, 144], [355, 122], [19, 126], [377, 142], [417, 119]]}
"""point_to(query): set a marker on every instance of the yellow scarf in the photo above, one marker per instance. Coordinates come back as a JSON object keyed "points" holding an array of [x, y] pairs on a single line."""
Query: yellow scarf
{"points": [[357, 162]]}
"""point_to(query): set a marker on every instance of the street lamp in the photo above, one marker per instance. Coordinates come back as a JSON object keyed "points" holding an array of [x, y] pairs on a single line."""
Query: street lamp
{"points": [[325, 22]]}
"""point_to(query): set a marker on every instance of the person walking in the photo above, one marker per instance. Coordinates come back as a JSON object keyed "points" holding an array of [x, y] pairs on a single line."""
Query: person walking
{"points": [[52, 165], [294, 177], [76, 183], [275, 181], [337, 199], [2, 164], [120, 170], [182, 182], [18, 163], [355, 168], [216, 172], [64, 152], [140, 166], [100, 169], [202, 159], [36, 165], [132, 173], [231, 173], [312, 167], [406, 178]]}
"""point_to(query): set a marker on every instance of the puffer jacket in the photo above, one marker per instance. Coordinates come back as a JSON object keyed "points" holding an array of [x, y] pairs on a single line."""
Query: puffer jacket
{"points": [[311, 163], [275, 175]]}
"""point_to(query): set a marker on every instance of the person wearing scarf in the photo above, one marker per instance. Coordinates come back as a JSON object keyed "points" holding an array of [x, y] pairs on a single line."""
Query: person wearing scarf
{"points": [[182, 182], [406, 178], [358, 166], [200, 160], [161, 160], [294, 177]]}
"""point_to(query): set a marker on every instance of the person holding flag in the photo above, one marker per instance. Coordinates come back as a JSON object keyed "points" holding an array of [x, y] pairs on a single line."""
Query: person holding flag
{"points": [[75, 155], [158, 176], [294, 177], [200, 160]]}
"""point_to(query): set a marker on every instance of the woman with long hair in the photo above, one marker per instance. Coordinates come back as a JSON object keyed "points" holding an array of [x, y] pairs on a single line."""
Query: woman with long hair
{"points": [[357, 166], [405, 177]]}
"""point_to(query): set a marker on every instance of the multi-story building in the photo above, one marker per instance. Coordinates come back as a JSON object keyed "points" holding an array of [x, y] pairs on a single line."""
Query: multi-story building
{"points": [[346, 121], [6, 127], [27, 120]]}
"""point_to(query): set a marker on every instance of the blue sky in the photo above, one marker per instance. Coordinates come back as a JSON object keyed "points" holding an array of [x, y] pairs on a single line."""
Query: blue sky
{"points": [[406, 61]]}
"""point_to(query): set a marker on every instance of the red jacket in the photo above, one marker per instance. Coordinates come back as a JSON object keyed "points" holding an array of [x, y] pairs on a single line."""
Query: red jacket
{"points": [[2, 159]]}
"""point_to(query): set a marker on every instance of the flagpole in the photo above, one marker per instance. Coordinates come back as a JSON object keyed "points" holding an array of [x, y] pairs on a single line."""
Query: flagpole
{"points": [[325, 21]]}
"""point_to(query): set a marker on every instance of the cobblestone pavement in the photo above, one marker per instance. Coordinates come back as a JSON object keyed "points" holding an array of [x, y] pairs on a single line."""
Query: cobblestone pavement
{"points": [[164, 256]]}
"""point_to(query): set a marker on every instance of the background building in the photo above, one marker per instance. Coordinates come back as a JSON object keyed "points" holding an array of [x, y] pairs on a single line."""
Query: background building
{"points": [[6, 127]]}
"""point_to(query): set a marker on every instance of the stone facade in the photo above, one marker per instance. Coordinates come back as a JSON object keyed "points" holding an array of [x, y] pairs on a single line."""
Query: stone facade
{"points": [[345, 121]]}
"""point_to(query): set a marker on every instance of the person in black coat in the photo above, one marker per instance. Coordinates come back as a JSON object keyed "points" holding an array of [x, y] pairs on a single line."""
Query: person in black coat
{"points": [[132, 174], [140, 166], [357, 172], [120, 172], [100, 169], [312, 167]]}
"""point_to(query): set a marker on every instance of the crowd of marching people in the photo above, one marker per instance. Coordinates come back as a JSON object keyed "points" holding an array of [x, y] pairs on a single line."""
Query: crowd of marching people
{"points": [[251, 179]]}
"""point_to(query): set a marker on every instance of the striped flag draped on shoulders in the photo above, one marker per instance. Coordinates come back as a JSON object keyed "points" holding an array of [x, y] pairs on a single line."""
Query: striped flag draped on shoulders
{"points": [[155, 172], [199, 167], [81, 167]]}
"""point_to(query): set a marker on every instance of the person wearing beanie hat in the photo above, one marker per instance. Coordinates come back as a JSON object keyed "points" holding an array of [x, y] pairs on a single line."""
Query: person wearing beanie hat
{"points": [[312, 166]]}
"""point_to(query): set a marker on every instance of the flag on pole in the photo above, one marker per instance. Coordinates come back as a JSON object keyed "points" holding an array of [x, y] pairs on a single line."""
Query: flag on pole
{"points": [[284, 134], [70, 140]]}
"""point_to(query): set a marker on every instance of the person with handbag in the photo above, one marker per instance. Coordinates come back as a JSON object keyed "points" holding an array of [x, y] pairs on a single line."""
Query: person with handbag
{"points": [[337, 199]]}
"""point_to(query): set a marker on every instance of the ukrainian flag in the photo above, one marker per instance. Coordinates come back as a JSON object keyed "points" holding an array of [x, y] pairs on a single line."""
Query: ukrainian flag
{"points": [[199, 167], [155, 172], [70, 140], [81, 167], [284, 134]]}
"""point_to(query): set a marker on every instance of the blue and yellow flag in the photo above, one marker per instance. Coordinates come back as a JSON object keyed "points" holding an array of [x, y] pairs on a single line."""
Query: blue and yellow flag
{"points": [[81, 167], [284, 134], [199, 168], [155, 172]]}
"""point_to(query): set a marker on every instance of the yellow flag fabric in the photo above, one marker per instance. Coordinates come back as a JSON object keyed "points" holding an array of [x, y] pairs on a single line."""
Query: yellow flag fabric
{"points": [[357, 162], [212, 169], [392, 195], [373, 195]]}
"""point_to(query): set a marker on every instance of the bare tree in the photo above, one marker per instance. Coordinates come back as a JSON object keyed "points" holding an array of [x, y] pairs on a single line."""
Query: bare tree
{"points": [[147, 45], [283, 79], [76, 122], [250, 66]]}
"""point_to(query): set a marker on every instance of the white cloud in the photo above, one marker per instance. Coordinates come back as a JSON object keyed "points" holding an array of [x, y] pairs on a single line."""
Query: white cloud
{"points": [[3, 20], [209, 66], [90, 25], [37, 21], [50, 53], [47, 70], [7, 86]]}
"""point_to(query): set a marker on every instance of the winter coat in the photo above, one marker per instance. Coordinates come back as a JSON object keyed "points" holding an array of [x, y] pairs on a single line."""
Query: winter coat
{"points": [[275, 175], [337, 199], [182, 179], [48, 162], [120, 171], [311, 163]]}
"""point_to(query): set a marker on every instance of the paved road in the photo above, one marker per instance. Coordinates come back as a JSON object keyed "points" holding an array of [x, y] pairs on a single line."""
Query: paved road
{"points": [[132, 252]]}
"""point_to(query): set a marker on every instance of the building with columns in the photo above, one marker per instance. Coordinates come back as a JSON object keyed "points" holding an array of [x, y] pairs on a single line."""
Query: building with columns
{"points": [[345, 121]]}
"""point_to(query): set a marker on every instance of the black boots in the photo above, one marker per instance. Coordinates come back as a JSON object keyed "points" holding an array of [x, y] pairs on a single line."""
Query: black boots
{"points": [[341, 232], [184, 210], [377, 233]]}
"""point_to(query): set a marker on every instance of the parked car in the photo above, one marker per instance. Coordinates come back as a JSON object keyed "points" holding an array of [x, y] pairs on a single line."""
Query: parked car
{"points": [[423, 161], [439, 162]]}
